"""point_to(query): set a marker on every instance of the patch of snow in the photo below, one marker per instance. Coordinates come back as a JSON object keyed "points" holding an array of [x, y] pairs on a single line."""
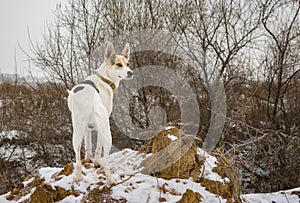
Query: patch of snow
{"points": [[4, 200], [169, 127], [209, 164], [291, 196], [172, 137], [144, 188], [226, 180], [47, 173], [9, 134], [72, 199], [28, 181], [14, 153]]}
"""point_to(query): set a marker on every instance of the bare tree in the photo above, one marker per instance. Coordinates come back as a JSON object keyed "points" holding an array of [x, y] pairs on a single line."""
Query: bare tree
{"points": [[281, 23], [69, 42]]}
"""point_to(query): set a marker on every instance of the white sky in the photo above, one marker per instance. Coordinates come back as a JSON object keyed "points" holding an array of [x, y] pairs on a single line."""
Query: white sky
{"points": [[16, 17]]}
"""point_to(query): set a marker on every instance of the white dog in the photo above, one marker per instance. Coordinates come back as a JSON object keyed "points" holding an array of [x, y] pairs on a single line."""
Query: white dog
{"points": [[90, 103]]}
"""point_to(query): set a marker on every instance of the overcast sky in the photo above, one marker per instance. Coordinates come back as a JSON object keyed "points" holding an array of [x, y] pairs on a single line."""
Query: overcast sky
{"points": [[16, 17]]}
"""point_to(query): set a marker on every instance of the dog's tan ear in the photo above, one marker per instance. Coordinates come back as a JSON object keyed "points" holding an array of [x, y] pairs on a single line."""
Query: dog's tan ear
{"points": [[126, 51], [109, 51]]}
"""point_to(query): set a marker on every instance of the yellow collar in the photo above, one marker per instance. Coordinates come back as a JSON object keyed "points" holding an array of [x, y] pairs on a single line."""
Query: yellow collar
{"points": [[110, 83]]}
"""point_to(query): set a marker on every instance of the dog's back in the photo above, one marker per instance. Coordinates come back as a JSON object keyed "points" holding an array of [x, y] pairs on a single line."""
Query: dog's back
{"points": [[89, 97]]}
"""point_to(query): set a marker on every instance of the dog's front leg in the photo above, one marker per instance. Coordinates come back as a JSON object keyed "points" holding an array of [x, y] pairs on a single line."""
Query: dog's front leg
{"points": [[106, 149]]}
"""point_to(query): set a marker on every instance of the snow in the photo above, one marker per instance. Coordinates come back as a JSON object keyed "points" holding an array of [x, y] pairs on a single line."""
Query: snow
{"points": [[25, 183], [9, 134], [209, 164], [172, 137], [136, 187], [72, 199], [288, 196], [169, 127]]}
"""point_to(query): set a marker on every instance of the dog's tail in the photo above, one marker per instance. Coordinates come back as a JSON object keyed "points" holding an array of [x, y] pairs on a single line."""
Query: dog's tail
{"points": [[70, 100], [69, 91]]}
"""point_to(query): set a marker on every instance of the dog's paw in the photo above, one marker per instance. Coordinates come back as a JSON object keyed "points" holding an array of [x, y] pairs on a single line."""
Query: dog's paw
{"points": [[77, 178], [111, 181], [97, 164], [88, 160]]}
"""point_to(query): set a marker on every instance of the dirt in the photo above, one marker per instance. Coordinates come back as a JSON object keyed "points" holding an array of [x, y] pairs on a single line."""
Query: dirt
{"points": [[68, 170], [98, 195], [20, 190], [159, 142], [45, 193], [190, 197]]}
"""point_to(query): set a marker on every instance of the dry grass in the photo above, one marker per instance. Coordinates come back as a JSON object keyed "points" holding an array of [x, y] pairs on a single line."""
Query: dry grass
{"points": [[41, 118]]}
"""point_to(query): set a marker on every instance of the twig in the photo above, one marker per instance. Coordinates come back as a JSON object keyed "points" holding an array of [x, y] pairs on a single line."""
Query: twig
{"points": [[12, 153], [125, 179], [247, 143], [286, 198]]}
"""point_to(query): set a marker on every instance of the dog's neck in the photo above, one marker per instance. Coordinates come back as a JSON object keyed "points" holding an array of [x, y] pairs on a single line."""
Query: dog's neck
{"points": [[102, 71]]}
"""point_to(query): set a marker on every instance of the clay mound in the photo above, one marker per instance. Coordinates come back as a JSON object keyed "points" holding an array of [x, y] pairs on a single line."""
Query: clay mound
{"points": [[172, 159], [178, 158]]}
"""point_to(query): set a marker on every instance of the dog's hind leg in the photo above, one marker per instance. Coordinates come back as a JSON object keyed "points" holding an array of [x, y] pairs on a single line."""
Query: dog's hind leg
{"points": [[88, 144], [78, 133]]}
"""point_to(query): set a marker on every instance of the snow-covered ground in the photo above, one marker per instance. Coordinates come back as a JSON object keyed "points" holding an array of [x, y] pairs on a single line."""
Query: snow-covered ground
{"points": [[136, 187], [9, 134], [287, 196]]}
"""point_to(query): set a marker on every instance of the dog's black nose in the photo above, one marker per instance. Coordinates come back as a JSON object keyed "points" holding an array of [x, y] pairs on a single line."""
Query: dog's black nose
{"points": [[129, 74]]}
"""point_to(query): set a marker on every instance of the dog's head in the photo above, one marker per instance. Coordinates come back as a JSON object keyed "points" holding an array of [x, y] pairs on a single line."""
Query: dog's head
{"points": [[118, 63]]}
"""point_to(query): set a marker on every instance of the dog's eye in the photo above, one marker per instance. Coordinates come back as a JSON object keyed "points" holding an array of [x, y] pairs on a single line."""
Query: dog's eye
{"points": [[119, 65], [127, 64]]}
